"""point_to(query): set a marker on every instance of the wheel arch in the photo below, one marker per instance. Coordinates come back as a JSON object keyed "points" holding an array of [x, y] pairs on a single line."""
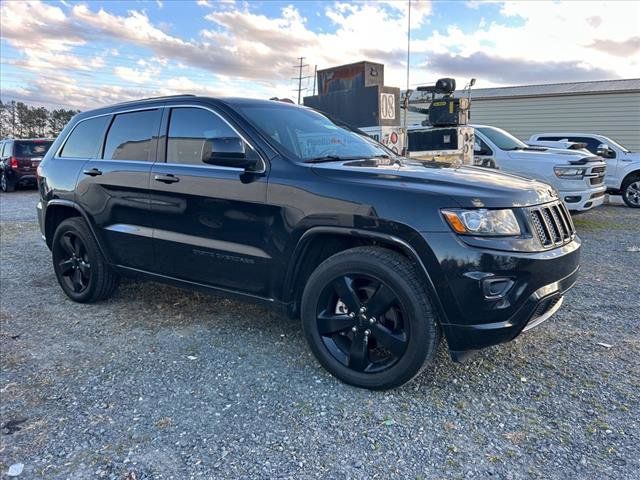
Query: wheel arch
{"points": [[59, 210], [318, 243], [630, 174]]}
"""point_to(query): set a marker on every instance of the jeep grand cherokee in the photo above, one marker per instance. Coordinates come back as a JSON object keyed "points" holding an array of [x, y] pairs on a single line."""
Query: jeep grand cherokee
{"points": [[276, 203]]}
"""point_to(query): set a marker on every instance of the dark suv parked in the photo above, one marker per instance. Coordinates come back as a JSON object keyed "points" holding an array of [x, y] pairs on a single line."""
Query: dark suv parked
{"points": [[280, 205], [19, 160]]}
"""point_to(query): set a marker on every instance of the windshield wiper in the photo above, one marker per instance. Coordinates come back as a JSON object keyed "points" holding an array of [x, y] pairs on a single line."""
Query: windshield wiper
{"points": [[341, 158], [329, 158]]}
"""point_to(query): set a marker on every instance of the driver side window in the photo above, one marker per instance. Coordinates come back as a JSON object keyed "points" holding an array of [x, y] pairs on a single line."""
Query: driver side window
{"points": [[481, 148], [189, 129]]}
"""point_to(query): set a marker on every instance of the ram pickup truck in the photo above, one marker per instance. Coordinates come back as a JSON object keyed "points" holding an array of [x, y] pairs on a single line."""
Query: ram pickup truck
{"points": [[578, 177], [277, 204], [623, 166]]}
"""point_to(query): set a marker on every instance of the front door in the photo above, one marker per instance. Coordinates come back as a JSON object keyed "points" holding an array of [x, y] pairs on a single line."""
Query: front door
{"points": [[211, 223], [114, 188]]}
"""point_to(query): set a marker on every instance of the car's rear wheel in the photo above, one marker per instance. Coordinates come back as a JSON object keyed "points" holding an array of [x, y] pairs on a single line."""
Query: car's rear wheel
{"points": [[367, 318], [631, 191], [80, 267], [6, 185]]}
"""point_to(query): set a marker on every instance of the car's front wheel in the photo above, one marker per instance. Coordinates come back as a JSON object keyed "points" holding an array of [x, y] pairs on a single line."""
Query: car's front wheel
{"points": [[631, 191], [82, 271], [367, 318]]}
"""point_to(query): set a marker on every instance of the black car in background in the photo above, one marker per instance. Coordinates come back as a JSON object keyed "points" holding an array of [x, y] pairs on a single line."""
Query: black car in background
{"points": [[19, 160], [278, 204]]}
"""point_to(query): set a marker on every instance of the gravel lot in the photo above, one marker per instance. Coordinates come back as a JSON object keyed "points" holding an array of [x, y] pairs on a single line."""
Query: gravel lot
{"points": [[164, 383]]}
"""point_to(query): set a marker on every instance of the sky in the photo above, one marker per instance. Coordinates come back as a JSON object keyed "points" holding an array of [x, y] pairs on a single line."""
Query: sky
{"points": [[86, 54]]}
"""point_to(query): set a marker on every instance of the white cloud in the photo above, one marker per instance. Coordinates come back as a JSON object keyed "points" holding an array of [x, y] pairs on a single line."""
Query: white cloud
{"points": [[244, 52]]}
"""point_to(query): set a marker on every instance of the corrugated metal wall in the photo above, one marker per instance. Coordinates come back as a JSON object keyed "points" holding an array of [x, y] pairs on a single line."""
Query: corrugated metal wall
{"points": [[616, 115]]}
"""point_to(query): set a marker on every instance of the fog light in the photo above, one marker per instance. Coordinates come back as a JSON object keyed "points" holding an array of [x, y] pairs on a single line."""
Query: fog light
{"points": [[572, 199], [495, 288]]}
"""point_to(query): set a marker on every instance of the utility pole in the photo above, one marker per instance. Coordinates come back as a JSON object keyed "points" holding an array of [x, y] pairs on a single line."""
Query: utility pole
{"points": [[315, 75], [300, 77]]}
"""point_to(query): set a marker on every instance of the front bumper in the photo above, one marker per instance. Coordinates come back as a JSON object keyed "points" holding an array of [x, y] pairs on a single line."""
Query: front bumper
{"points": [[580, 201], [489, 297]]}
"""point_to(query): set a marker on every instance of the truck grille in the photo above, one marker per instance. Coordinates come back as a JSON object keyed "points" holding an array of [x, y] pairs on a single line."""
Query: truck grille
{"points": [[552, 224], [596, 180]]}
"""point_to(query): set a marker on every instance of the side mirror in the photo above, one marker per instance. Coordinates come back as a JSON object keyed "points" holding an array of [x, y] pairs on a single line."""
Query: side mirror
{"points": [[605, 152], [228, 152]]}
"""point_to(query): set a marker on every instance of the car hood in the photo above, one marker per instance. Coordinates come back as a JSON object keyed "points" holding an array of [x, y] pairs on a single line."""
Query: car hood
{"points": [[467, 186], [556, 155]]}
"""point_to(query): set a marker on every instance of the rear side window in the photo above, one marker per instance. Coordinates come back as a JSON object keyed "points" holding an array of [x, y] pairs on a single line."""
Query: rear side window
{"points": [[189, 128], [132, 136], [85, 139], [6, 149]]}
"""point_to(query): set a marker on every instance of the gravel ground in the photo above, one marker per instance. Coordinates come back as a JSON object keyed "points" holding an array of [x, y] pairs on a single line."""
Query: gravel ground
{"points": [[164, 383]]}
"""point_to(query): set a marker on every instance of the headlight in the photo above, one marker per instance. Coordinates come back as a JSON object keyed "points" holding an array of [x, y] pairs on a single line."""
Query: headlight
{"points": [[482, 222], [569, 172]]}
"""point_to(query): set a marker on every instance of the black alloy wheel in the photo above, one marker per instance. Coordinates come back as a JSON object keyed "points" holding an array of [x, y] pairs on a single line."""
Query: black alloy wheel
{"points": [[80, 267], [367, 318], [361, 323], [74, 266]]}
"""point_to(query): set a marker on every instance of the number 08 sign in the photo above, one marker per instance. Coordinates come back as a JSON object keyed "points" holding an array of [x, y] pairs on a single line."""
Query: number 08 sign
{"points": [[387, 106]]}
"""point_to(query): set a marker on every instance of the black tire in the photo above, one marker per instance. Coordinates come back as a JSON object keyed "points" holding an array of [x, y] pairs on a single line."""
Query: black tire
{"points": [[6, 185], [82, 271], [408, 325], [631, 191]]}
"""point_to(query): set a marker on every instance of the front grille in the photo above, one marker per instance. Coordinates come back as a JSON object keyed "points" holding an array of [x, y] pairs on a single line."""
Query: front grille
{"points": [[596, 180], [551, 224]]}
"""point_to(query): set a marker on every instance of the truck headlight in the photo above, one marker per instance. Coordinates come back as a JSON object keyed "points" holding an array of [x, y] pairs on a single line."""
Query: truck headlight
{"points": [[569, 172], [482, 222]]}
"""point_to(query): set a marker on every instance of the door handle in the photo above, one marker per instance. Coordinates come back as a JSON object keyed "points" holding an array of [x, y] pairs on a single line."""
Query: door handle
{"points": [[93, 172], [169, 178]]}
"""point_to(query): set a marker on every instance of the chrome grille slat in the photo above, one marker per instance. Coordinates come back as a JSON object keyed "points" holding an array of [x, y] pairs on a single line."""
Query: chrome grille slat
{"points": [[551, 224]]}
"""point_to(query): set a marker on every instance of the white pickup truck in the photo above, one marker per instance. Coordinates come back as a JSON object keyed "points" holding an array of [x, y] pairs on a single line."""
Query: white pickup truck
{"points": [[577, 176], [623, 166]]}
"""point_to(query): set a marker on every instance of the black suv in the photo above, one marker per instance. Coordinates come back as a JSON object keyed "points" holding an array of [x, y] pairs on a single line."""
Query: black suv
{"points": [[281, 205], [19, 160]]}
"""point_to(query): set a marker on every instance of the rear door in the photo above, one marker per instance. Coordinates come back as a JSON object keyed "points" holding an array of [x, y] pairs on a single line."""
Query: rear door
{"points": [[114, 188], [211, 222]]}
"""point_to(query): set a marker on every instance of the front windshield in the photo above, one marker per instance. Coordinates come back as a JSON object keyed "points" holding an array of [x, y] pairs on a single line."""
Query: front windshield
{"points": [[306, 135], [616, 144], [502, 139]]}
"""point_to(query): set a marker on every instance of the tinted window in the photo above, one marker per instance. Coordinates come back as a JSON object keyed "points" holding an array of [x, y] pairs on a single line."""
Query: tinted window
{"points": [[131, 136], [32, 149], [85, 138], [592, 143], [549, 139], [189, 128]]}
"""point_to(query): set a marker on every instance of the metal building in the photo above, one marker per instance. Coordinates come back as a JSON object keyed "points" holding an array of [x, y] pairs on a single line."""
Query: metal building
{"points": [[608, 107]]}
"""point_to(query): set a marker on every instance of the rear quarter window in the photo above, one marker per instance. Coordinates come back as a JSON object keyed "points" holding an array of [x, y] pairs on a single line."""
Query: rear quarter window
{"points": [[85, 139]]}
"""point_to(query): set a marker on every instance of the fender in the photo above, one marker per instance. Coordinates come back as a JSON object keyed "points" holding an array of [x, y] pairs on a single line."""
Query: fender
{"points": [[299, 251], [83, 214]]}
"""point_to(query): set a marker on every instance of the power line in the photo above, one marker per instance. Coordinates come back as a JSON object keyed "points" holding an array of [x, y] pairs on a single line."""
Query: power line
{"points": [[300, 77]]}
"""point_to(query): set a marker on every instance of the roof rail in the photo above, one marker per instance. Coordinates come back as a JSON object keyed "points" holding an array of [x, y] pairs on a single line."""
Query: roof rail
{"points": [[155, 98]]}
